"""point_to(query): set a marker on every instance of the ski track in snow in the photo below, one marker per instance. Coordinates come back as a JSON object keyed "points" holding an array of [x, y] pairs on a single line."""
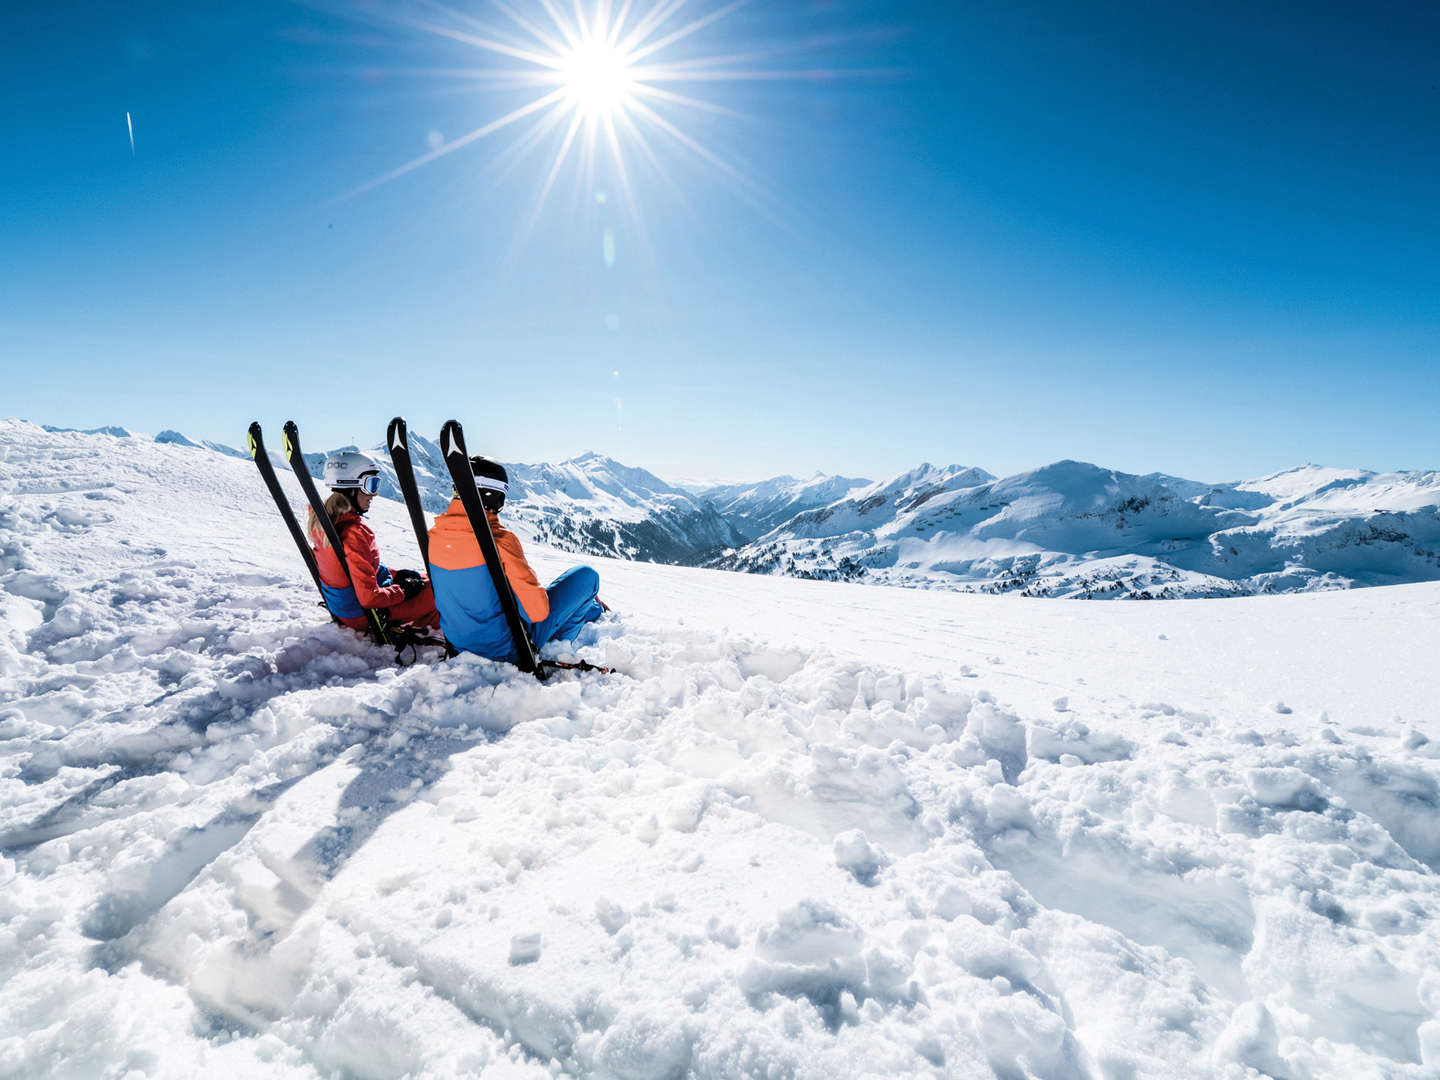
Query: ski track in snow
{"points": [[811, 831]]}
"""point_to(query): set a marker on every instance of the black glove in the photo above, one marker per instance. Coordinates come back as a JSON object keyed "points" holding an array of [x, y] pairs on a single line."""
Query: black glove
{"points": [[411, 582]]}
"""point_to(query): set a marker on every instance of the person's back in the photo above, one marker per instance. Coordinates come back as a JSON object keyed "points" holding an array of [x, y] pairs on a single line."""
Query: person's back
{"points": [[470, 613], [343, 599], [471, 617]]}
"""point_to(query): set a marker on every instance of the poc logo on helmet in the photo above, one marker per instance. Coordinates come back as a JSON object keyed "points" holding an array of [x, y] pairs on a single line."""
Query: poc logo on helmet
{"points": [[350, 470]]}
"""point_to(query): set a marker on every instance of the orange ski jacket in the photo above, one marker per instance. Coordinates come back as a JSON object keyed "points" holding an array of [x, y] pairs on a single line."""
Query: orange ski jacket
{"points": [[470, 613]]}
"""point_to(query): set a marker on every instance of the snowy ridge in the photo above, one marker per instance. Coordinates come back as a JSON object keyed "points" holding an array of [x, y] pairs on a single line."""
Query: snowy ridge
{"points": [[174, 438], [113, 430], [593, 504], [177, 439], [813, 830], [757, 508]]}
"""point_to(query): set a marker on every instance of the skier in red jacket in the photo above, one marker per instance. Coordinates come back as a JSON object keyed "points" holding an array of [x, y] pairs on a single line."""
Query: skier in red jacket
{"points": [[404, 595]]}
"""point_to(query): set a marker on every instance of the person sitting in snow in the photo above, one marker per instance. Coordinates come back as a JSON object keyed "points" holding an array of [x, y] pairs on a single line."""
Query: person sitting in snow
{"points": [[404, 595], [471, 617]]}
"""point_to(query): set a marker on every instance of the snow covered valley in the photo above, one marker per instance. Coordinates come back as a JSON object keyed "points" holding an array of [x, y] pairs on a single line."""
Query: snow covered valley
{"points": [[810, 830]]}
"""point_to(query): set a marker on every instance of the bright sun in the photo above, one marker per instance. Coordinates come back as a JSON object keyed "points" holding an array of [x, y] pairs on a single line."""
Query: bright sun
{"points": [[597, 78]]}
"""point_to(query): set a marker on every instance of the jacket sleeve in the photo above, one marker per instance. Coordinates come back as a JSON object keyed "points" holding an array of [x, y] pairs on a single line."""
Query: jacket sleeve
{"points": [[362, 555], [534, 600]]}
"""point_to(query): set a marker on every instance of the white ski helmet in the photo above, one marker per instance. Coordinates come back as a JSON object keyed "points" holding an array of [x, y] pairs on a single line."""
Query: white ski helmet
{"points": [[344, 470]]}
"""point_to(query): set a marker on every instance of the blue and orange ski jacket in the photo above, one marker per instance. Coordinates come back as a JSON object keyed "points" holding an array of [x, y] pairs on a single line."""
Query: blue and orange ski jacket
{"points": [[373, 580], [470, 614]]}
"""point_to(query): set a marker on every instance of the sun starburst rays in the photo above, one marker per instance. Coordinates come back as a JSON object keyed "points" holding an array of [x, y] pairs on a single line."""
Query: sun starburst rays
{"points": [[596, 67]]}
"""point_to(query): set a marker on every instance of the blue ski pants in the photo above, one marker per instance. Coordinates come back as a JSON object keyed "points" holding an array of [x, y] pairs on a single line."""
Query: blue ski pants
{"points": [[572, 605]]}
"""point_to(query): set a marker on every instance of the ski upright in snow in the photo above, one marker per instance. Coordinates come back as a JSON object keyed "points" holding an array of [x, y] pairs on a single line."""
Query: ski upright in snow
{"points": [[267, 472], [457, 460], [290, 441], [397, 441]]}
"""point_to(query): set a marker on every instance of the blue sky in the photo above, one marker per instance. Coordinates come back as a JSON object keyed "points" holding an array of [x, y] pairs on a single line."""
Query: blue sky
{"points": [[1192, 238]]}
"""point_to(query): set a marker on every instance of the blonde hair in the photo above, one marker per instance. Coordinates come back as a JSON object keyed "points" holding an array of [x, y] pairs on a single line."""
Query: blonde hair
{"points": [[338, 503]]}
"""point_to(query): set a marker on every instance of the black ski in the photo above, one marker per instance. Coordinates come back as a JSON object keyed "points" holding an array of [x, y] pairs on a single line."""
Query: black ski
{"points": [[397, 441], [290, 441], [457, 460], [267, 471]]}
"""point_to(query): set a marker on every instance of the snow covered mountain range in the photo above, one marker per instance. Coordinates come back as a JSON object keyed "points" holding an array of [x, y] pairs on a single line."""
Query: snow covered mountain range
{"points": [[1074, 529], [1069, 529]]}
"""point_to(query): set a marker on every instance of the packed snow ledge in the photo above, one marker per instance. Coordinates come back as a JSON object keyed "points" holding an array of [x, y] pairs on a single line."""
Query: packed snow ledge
{"points": [[811, 830]]}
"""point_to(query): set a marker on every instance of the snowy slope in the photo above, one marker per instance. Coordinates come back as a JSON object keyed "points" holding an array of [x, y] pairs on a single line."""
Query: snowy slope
{"points": [[813, 830]]}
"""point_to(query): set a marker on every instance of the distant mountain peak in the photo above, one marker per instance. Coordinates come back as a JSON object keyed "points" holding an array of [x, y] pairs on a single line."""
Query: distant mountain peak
{"points": [[112, 431], [175, 438]]}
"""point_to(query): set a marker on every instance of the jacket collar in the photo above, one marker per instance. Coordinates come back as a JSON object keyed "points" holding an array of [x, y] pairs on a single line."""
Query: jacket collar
{"points": [[457, 509]]}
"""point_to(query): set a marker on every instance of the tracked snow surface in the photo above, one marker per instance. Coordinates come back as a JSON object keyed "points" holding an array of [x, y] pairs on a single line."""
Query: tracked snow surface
{"points": [[811, 830]]}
